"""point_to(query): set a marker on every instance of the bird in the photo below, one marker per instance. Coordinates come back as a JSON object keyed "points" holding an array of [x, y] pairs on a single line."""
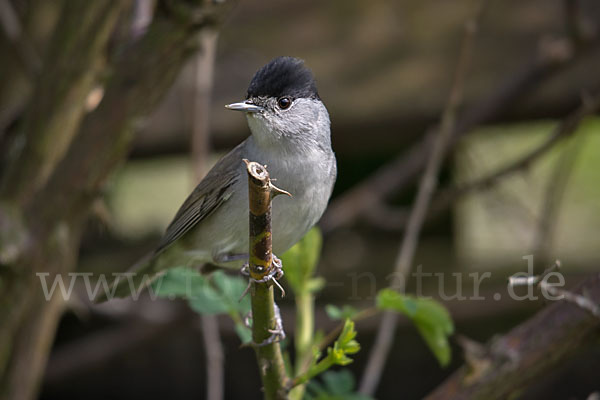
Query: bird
{"points": [[290, 134]]}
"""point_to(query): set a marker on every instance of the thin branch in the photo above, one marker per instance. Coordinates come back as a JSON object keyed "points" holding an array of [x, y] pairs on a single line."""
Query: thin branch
{"points": [[552, 58], [564, 129], [584, 300], [427, 187], [199, 110], [58, 100], [215, 357], [396, 219]]}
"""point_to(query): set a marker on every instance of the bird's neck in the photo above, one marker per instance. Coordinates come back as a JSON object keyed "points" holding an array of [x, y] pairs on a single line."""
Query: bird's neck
{"points": [[314, 137]]}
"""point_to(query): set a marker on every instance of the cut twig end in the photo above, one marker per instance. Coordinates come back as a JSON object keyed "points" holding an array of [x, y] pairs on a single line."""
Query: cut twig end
{"points": [[257, 171]]}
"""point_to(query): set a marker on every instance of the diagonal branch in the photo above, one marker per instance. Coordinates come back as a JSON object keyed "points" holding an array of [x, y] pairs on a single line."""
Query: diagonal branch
{"points": [[70, 70], [528, 352], [551, 58], [427, 186], [396, 219]]}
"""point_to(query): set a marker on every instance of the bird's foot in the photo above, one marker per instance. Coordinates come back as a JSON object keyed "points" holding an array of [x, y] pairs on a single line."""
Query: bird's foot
{"points": [[277, 333], [274, 274]]}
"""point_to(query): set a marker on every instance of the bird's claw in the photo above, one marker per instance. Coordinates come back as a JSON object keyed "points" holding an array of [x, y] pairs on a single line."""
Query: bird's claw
{"points": [[274, 274], [277, 334], [247, 318], [277, 273]]}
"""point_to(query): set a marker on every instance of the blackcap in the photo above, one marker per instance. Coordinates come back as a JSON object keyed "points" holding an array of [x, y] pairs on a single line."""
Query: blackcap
{"points": [[291, 135]]}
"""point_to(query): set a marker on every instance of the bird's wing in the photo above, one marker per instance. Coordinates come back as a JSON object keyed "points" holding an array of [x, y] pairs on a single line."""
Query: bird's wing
{"points": [[211, 192]]}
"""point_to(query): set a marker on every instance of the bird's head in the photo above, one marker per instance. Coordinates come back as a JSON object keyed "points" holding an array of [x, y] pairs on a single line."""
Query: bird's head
{"points": [[283, 106]]}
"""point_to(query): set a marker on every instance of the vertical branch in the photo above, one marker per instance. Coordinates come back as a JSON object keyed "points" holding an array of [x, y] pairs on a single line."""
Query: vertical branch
{"points": [[203, 67], [268, 353], [305, 327], [427, 186], [215, 357], [203, 79]]}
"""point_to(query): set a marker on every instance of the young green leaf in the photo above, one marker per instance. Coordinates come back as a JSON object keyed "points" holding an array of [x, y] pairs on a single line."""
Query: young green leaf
{"points": [[430, 317], [336, 355]]}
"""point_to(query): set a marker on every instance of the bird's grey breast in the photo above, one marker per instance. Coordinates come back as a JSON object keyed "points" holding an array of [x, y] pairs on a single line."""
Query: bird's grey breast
{"points": [[309, 178]]}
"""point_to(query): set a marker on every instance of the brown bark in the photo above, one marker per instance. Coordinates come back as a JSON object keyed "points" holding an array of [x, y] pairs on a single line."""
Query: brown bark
{"points": [[70, 70], [268, 354], [40, 223], [526, 353]]}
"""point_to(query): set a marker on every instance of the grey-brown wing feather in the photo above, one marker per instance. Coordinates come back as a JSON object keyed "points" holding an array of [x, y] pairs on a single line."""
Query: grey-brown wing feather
{"points": [[211, 192]]}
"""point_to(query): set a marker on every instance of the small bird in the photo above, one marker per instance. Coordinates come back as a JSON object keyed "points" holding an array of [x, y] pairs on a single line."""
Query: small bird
{"points": [[291, 135]]}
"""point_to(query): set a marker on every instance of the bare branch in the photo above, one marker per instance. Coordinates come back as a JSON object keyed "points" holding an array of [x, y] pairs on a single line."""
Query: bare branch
{"points": [[199, 113], [564, 129], [396, 219], [552, 58], [527, 352], [58, 100], [427, 187]]}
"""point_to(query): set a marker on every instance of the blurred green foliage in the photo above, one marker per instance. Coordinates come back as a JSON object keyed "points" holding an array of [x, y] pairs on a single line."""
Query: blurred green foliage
{"points": [[300, 261], [431, 319], [336, 385], [217, 293]]}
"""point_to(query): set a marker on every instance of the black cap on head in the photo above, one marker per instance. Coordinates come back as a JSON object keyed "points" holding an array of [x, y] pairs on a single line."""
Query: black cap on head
{"points": [[283, 76]]}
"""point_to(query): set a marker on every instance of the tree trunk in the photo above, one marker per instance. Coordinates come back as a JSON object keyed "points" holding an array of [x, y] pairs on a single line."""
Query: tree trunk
{"points": [[50, 185]]}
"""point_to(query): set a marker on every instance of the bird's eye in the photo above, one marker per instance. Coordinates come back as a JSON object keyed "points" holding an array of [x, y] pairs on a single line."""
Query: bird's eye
{"points": [[284, 103]]}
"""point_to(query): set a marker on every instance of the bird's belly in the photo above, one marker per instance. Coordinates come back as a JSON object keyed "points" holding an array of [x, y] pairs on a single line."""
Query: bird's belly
{"points": [[225, 232]]}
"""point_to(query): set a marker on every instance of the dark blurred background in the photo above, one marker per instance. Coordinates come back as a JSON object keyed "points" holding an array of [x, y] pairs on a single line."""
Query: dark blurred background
{"points": [[385, 70]]}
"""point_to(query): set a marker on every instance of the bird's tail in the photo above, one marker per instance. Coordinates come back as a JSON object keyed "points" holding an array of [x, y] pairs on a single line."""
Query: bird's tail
{"points": [[131, 283]]}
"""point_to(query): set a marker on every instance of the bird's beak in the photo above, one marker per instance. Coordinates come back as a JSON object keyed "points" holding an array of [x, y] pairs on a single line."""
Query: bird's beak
{"points": [[245, 106]]}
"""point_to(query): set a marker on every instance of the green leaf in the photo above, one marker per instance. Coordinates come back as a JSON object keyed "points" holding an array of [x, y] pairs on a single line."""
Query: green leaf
{"points": [[346, 312], [430, 317], [217, 294], [243, 332], [178, 282], [339, 383], [207, 300], [220, 295], [231, 289], [300, 261]]}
